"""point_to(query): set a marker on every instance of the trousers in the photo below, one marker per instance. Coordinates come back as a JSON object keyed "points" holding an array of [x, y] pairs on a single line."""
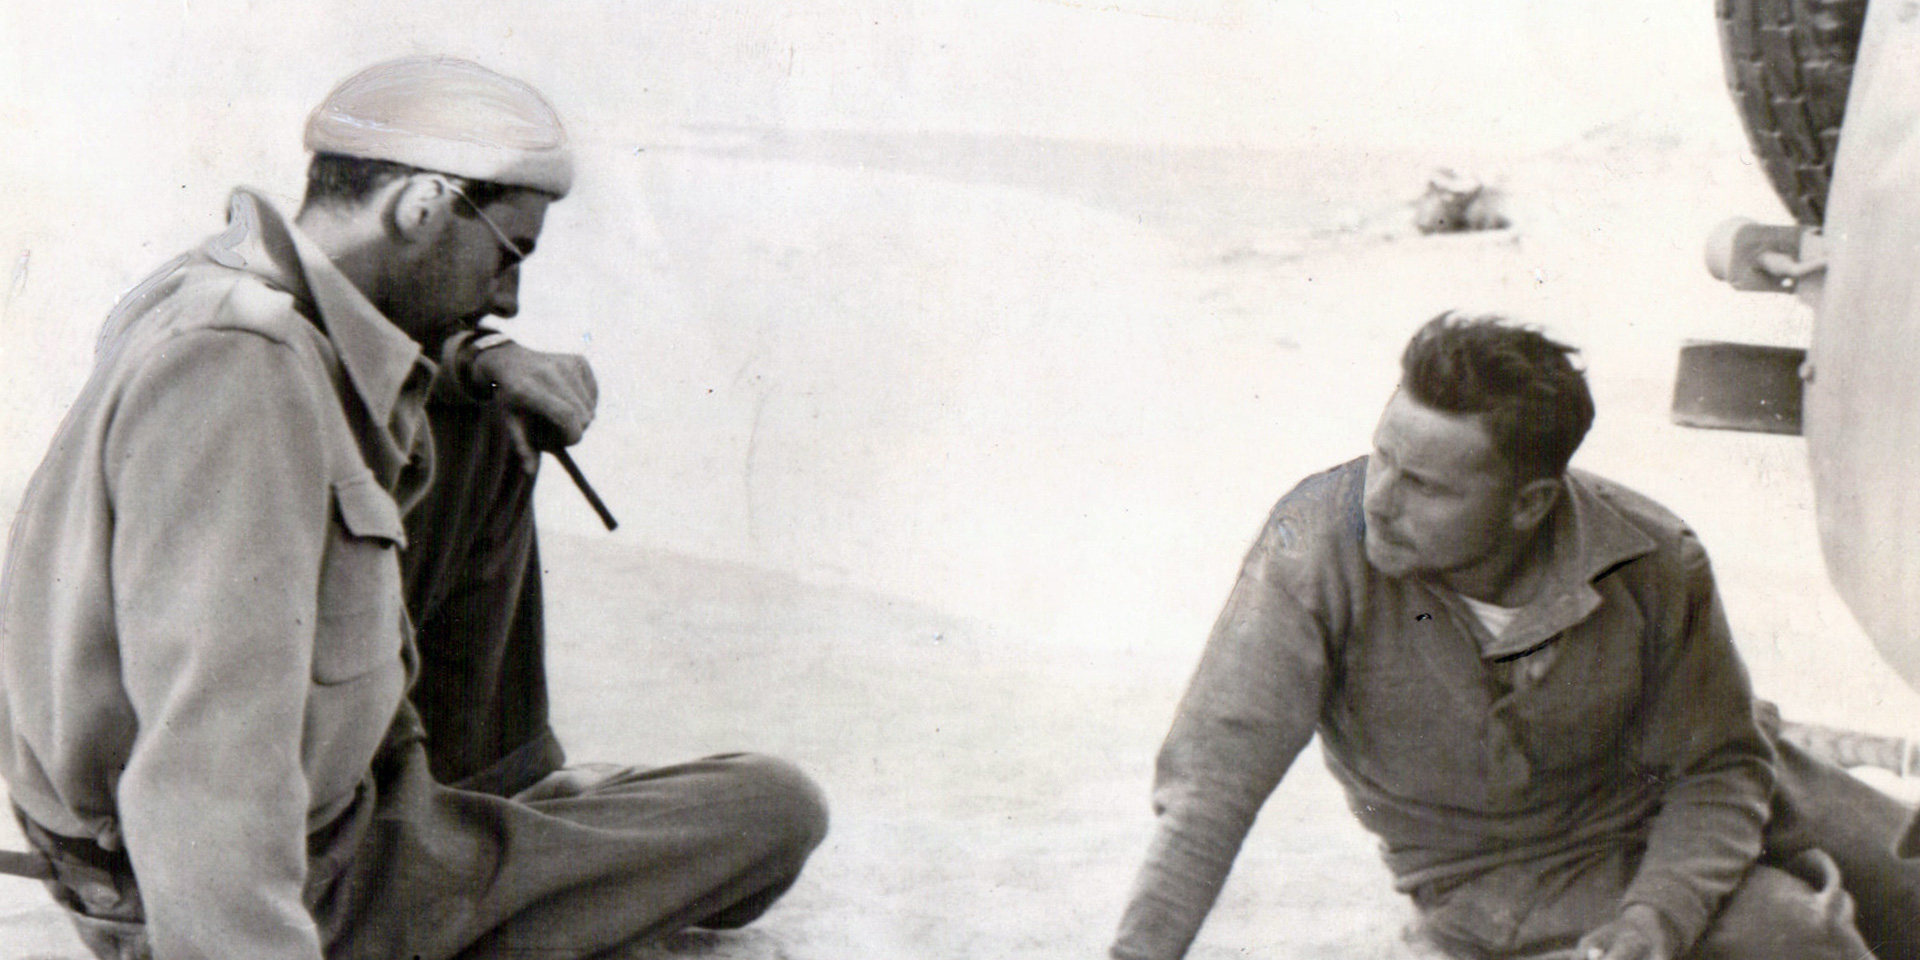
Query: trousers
{"points": [[1531, 910], [1820, 806], [1828, 883], [472, 575], [585, 861], [470, 839]]}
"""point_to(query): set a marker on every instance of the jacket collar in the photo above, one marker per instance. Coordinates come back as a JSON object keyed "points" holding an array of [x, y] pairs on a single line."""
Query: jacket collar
{"points": [[1587, 539], [378, 357]]}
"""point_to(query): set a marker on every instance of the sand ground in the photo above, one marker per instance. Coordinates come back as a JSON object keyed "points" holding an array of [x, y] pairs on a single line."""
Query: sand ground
{"points": [[936, 452], [989, 776]]}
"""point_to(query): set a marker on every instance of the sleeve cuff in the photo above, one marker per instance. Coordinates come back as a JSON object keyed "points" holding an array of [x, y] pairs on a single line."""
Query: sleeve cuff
{"points": [[457, 379], [1683, 915]]}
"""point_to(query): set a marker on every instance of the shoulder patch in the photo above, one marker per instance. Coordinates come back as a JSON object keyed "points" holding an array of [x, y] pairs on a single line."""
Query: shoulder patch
{"points": [[258, 308], [1325, 506]]}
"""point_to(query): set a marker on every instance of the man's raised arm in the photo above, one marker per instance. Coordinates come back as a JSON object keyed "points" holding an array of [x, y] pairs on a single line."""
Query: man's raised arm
{"points": [[552, 394]]}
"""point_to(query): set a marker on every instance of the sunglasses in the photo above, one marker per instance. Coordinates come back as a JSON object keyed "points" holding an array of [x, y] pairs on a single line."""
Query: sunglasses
{"points": [[513, 250]]}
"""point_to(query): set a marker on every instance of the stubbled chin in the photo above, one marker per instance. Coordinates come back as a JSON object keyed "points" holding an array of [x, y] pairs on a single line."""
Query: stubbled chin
{"points": [[1386, 558]]}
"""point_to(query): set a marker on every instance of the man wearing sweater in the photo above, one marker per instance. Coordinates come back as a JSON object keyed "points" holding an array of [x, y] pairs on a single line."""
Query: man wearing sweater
{"points": [[1521, 675]]}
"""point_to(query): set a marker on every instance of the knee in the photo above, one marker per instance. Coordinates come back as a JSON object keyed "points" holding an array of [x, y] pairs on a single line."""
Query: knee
{"points": [[789, 809], [1775, 913]]}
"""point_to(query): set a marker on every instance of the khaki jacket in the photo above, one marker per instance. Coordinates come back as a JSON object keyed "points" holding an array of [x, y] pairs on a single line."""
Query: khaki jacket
{"points": [[202, 637]]}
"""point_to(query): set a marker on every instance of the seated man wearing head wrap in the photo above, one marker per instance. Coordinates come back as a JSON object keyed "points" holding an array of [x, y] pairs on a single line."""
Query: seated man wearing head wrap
{"points": [[203, 635]]}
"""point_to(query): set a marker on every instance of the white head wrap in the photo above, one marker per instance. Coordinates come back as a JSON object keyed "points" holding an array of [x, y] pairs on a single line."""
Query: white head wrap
{"points": [[447, 115]]}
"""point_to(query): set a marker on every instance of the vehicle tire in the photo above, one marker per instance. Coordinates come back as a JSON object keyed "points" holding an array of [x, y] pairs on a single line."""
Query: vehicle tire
{"points": [[1788, 64]]}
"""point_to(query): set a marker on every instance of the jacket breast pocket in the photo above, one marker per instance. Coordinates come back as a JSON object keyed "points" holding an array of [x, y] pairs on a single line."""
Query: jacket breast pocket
{"points": [[360, 613]]}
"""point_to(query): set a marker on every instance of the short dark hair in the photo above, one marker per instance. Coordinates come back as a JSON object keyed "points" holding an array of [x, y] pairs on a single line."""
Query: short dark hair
{"points": [[335, 179], [1535, 402]]}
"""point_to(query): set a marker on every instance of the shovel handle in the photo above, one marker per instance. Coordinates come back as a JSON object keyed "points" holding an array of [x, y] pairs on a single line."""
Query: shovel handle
{"points": [[586, 489], [33, 866]]}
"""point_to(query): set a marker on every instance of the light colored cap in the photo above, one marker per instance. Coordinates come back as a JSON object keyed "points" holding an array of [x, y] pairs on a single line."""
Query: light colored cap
{"points": [[450, 116]]}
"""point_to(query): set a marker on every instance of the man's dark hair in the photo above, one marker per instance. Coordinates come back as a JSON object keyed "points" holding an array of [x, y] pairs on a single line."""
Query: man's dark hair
{"points": [[338, 180], [1534, 401]]}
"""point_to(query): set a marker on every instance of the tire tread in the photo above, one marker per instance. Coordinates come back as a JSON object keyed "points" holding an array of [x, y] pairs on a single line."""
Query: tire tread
{"points": [[1788, 66]]}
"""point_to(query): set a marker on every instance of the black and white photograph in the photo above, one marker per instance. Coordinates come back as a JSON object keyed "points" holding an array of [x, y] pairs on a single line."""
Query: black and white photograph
{"points": [[935, 480]]}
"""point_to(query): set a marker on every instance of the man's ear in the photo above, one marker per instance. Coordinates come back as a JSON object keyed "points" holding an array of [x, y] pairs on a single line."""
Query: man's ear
{"points": [[1533, 501], [419, 209]]}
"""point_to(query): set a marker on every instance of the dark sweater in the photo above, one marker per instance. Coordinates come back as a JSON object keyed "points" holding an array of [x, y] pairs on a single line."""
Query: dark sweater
{"points": [[1613, 710]]}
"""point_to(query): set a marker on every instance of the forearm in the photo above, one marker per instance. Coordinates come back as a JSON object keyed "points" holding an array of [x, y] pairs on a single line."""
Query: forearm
{"points": [[1247, 714], [1702, 842], [457, 380], [1697, 736], [1249, 709], [1192, 852], [551, 395]]}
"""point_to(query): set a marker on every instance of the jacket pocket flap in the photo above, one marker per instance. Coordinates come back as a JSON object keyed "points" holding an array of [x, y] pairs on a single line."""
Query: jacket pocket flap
{"points": [[367, 511]]}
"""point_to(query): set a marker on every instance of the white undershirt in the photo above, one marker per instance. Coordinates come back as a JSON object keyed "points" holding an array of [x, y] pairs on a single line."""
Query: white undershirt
{"points": [[1493, 616]]}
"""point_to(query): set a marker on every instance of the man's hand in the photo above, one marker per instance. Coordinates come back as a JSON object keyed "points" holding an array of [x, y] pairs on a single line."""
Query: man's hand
{"points": [[551, 394], [1638, 934]]}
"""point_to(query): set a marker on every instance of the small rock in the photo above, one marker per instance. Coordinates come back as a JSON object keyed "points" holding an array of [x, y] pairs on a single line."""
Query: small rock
{"points": [[1455, 203]]}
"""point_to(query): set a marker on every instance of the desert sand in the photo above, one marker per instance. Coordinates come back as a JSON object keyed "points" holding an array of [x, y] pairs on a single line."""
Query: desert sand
{"points": [[950, 362]]}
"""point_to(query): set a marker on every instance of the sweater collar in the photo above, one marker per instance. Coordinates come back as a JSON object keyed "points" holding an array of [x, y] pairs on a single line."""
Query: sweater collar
{"points": [[1587, 539]]}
